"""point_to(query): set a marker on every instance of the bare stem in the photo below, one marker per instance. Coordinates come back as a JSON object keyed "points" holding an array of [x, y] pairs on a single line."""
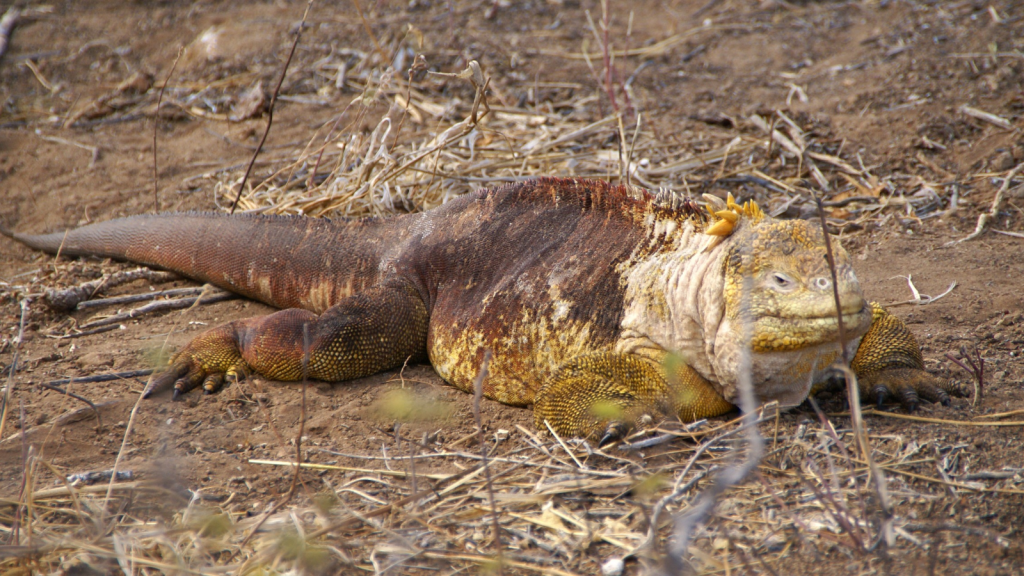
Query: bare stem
{"points": [[156, 124], [270, 109], [478, 393], [9, 389], [853, 392]]}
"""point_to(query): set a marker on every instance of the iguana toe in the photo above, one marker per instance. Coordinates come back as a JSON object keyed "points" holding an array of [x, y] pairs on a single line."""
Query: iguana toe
{"points": [[934, 389], [909, 399], [616, 431], [213, 383], [909, 386], [881, 395], [187, 383], [166, 379]]}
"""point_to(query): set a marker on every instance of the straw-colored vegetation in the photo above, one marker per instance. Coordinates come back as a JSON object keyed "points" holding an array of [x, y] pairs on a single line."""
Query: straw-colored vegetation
{"points": [[560, 506]]}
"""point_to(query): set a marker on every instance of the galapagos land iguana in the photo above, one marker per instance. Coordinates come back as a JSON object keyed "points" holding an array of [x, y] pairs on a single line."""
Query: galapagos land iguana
{"points": [[579, 288]]}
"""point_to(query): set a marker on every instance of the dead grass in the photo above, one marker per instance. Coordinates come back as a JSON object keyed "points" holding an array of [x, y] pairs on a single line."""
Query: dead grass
{"points": [[563, 507], [559, 512]]}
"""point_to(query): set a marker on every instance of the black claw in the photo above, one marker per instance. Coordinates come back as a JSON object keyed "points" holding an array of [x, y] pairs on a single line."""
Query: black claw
{"points": [[615, 432], [881, 393], [177, 394], [164, 380], [607, 439], [909, 399]]}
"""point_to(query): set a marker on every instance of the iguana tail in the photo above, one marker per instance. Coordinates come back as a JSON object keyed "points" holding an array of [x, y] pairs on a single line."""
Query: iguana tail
{"points": [[285, 261]]}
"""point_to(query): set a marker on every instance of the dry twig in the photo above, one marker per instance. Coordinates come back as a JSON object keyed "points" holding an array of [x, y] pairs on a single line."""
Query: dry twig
{"points": [[7, 23], [997, 202], [156, 124], [973, 365], [270, 107]]}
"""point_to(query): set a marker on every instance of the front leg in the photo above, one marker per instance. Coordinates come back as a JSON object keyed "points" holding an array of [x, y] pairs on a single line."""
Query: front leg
{"points": [[374, 330], [604, 395], [888, 364]]}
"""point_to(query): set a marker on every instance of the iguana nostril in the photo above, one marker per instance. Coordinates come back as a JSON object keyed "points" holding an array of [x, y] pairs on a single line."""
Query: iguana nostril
{"points": [[821, 283]]}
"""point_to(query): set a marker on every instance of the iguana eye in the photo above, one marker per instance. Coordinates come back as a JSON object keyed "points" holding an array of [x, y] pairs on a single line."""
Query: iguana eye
{"points": [[781, 281]]}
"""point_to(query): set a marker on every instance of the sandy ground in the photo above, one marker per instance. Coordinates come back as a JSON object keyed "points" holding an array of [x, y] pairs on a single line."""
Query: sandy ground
{"points": [[885, 80]]}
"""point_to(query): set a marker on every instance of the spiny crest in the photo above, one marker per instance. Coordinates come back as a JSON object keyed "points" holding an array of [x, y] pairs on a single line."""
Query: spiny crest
{"points": [[668, 199], [724, 215]]}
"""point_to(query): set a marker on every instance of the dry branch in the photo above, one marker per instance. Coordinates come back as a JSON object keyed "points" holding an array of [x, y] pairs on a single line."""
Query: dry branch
{"points": [[69, 298], [270, 107], [212, 296], [997, 202], [7, 23]]}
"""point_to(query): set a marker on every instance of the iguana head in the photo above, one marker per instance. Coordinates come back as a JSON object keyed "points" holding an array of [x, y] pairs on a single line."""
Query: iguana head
{"points": [[779, 270], [690, 298]]}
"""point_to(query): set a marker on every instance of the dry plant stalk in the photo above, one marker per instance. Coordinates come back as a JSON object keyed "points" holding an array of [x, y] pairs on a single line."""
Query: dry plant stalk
{"points": [[686, 521], [478, 393], [270, 108], [853, 394], [7, 23], [156, 124], [997, 202], [9, 388]]}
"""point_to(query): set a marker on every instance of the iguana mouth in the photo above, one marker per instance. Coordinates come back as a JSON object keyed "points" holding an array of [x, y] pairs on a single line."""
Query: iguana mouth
{"points": [[818, 309], [847, 316], [781, 333]]}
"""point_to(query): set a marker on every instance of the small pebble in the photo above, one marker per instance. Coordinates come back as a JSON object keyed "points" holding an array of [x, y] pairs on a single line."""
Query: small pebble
{"points": [[612, 567], [1003, 161]]}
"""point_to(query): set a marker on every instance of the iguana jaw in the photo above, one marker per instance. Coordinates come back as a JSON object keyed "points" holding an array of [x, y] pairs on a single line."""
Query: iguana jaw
{"points": [[780, 334], [788, 355]]}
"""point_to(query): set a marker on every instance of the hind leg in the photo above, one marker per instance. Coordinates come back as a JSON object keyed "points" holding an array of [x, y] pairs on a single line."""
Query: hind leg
{"points": [[366, 333]]}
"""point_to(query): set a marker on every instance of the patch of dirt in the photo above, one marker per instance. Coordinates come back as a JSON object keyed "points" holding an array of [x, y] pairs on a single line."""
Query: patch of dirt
{"points": [[882, 83]]}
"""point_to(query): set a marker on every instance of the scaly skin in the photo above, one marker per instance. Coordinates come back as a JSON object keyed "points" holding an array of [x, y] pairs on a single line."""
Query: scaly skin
{"points": [[580, 289]]}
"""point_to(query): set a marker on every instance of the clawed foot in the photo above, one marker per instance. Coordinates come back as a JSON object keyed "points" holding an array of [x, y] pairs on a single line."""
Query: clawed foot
{"points": [[604, 421], [182, 379], [908, 386], [603, 396], [617, 430], [207, 361]]}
